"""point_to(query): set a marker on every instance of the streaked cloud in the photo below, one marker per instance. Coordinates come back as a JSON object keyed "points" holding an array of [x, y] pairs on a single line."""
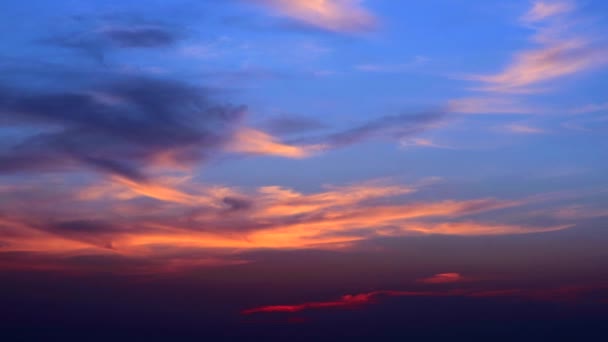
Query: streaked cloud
{"points": [[421, 142], [393, 68], [334, 15], [591, 108], [470, 228], [542, 10], [162, 218], [524, 129], [345, 302], [490, 105], [562, 52], [360, 300], [97, 42], [389, 127], [532, 67]]}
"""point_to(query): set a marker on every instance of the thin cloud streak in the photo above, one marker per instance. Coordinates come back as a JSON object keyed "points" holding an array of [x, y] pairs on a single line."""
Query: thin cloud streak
{"points": [[542, 10], [559, 55], [443, 278], [490, 105], [356, 301], [524, 129]]}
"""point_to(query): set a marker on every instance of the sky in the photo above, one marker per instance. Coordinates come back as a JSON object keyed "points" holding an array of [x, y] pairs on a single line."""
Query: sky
{"points": [[303, 168]]}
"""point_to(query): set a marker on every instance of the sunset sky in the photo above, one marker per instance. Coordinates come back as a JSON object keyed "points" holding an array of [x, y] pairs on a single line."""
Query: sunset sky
{"points": [[303, 167]]}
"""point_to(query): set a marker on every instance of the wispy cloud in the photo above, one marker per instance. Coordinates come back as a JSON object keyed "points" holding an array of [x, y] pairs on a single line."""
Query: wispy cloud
{"points": [[95, 43], [389, 127], [393, 68], [541, 10], [591, 108], [355, 301], [421, 142], [490, 105], [333, 15], [561, 53], [524, 129], [158, 220]]}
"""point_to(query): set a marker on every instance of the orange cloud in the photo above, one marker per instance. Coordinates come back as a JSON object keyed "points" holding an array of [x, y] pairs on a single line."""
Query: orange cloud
{"points": [[332, 15], [215, 219], [251, 141]]}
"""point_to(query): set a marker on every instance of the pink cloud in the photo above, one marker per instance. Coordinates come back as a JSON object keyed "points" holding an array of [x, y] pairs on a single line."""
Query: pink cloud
{"points": [[443, 278]]}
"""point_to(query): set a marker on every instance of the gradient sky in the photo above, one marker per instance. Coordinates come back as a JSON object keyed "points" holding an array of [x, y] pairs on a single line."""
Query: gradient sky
{"points": [[319, 155]]}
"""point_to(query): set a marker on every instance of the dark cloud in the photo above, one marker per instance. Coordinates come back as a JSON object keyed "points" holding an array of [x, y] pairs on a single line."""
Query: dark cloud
{"points": [[116, 127], [89, 226], [95, 232], [236, 204], [96, 42], [140, 36]]}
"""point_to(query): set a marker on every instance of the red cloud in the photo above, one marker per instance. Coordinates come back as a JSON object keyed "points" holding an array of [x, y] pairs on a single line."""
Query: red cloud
{"points": [[346, 301], [565, 293], [442, 278]]}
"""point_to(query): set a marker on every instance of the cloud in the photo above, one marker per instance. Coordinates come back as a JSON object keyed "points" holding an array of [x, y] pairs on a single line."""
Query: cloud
{"points": [[420, 142], [561, 53], [139, 36], [532, 67], [591, 108], [393, 68], [252, 141], [362, 299], [96, 42], [347, 16], [490, 105], [273, 217], [166, 219], [394, 127], [469, 228], [524, 129], [442, 278], [145, 118], [542, 10]]}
